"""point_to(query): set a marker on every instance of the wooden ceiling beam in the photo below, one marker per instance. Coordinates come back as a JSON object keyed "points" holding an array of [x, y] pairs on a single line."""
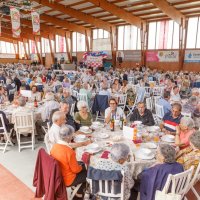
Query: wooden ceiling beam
{"points": [[77, 14], [7, 38], [169, 10], [119, 12], [63, 24]]}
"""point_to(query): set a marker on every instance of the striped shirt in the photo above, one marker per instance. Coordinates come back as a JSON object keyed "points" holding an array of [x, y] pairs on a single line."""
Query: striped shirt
{"points": [[170, 123]]}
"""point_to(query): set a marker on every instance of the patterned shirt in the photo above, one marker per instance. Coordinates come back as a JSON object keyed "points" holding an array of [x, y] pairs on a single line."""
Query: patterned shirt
{"points": [[189, 157]]}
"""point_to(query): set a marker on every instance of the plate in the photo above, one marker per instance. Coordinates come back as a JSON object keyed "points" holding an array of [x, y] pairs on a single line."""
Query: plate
{"points": [[103, 136], [87, 132], [153, 128], [93, 150], [79, 141], [168, 138], [139, 155], [149, 145]]}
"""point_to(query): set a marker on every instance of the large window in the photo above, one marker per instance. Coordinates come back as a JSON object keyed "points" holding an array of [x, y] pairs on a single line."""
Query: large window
{"points": [[45, 45], [100, 34], [129, 38], [60, 44], [193, 35], [78, 42], [163, 35], [6, 47]]}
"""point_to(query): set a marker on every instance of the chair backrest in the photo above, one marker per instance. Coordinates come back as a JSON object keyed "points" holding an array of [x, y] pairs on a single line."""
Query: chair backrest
{"points": [[159, 111], [82, 97], [107, 188], [158, 91], [23, 121], [186, 114], [178, 183], [122, 101], [196, 176], [149, 103], [74, 93], [2, 124], [72, 109], [147, 91], [12, 91], [46, 141]]}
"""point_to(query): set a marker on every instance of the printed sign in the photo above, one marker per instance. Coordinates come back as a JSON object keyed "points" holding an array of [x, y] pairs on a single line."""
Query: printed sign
{"points": [[162, 56], [132, 55], [94, 61], [192, 56], [15, 19]]}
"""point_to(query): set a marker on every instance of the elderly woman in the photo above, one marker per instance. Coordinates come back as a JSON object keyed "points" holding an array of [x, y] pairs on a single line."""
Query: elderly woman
{"points": [[66, 97], [83, 117], [190, 156], [119, 155], [116, 86], [183, 132], [73, 173], [66, 83], [35, 94], [154, 178], [86, 90]]}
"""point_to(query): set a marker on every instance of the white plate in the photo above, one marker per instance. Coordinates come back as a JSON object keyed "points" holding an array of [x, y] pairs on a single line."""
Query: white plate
{"points": [[153, 128], [149, 145], [168, 138], [79, 141], [87, 132], [84, 128], [93, 150], [103, 136], [144, 157]]}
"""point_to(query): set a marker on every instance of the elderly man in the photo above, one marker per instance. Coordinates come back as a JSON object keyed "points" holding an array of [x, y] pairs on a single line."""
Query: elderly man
{"points": [[104, 90], [171, 119], [49, 105], [164, 101], [53, 133], [141, 113], [113, 111]]}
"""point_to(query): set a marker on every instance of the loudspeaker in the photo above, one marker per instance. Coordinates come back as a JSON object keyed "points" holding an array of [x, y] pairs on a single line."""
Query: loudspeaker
{"points": [[119, 59]]}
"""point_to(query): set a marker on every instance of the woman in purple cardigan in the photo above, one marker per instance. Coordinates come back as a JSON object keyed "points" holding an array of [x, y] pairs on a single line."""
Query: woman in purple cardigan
{"points": [[155, 177]]}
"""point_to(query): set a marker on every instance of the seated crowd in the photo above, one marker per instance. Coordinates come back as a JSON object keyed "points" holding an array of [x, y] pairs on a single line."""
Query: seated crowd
{"points": [[65, 113]]}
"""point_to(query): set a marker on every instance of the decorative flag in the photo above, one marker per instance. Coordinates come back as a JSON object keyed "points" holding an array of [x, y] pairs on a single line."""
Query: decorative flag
{"points": [[15, 19], [35, 22]]}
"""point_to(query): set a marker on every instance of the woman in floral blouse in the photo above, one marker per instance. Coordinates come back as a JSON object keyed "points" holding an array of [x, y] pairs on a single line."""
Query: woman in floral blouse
{"points": [[190, 156]]}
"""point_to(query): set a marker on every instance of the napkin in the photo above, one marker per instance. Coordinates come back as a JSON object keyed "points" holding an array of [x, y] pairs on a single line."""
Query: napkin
{"points": [[86, 158], [105, 154], [137, 141]]}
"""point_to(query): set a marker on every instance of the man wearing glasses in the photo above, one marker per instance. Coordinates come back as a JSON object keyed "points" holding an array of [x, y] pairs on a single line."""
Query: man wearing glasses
{"points": [[113, 111]]}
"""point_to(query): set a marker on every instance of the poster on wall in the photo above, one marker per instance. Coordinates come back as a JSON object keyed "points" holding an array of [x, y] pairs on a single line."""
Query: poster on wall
{"points": [[192, 56], [15, 20], [35, 23], [94, 59], [162, 56], [5, 55], [132, 56]]}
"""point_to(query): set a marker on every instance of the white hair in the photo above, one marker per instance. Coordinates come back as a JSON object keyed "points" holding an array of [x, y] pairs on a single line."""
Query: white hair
{"points": [[21, 101], [188, 122], [57, 115], [66, 132], [119, 151], [81, 104], [194, 90], [8, 81], [49, 96]]}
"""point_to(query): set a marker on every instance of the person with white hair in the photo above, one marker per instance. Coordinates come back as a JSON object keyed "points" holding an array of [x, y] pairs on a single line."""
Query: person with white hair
{"points": [[66, 97], [118, 160], [58, 119], [73, 172], [195, 92], [83, 117], [86, 91], [48, 106], [183, 132]]}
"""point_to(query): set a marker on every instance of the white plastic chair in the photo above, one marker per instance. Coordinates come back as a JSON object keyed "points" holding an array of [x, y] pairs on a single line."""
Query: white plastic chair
{"points": [[72, 192], [178, 183], [147, 91], [186, 114], [131, 79], [5, 134], [24, 124], [149, 103], [82, 97], [194, 180], [104, 186], [155, 101], [74, 93], [158, 91], [122, 101], [72, 109], [159, 111]]}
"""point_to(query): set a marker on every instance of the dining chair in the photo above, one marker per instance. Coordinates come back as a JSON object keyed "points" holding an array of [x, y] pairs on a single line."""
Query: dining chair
{"points": [[178, 183], [82, 97], [122, 100], [107, 188], [24, 124], [72, 109], [149, 103], [194, 180], [159, 111], [5, 134]]}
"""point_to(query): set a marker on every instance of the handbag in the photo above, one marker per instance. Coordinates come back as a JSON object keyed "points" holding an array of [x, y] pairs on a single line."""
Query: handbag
{"points": [[161, 195]]}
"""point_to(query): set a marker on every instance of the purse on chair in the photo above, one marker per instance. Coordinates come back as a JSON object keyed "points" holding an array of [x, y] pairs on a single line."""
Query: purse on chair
{"points": [[161, 195]]}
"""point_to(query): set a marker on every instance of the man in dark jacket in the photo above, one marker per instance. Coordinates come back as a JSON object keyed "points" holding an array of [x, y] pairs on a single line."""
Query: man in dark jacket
{"points": [[141, 113]]}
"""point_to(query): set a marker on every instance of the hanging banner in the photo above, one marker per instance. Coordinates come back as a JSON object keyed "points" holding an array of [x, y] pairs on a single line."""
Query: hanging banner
{"points": [[35, 23], [15, 20], [192, 56], [162, 56]]}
